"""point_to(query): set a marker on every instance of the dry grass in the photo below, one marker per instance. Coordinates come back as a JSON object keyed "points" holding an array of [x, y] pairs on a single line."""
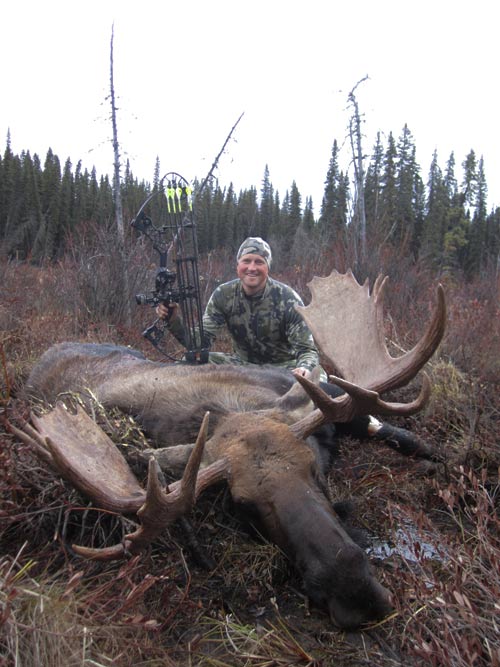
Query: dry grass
{"points": [[71, 618]]}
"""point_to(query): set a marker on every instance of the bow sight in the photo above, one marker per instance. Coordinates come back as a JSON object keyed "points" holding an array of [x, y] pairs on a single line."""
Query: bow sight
{"points": [[174, 238]]}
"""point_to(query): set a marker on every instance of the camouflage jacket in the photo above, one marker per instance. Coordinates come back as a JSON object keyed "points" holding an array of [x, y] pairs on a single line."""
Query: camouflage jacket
{"points": [[265, 328]]}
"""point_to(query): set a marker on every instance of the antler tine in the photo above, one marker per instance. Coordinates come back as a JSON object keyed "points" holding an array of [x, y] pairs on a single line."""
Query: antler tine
{"points": [[163, 507], [379, 286], [356, 401], [32, 438], [190, 476], [152, 523]]}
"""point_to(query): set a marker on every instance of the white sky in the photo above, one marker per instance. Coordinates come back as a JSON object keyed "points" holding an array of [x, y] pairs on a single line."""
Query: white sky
{"points": [[185, 71]]}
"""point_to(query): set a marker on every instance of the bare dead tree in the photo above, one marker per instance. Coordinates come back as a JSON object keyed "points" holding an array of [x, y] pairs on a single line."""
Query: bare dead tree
{"points": [[355, 137], [216, 161], [117, 189]]}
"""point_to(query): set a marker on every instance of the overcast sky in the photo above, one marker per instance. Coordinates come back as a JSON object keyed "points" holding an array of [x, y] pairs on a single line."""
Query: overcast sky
{"points": [[185, 71]]}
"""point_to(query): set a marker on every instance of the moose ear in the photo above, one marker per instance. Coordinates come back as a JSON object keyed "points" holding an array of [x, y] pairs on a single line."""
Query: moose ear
{"points": [[296, 397]]}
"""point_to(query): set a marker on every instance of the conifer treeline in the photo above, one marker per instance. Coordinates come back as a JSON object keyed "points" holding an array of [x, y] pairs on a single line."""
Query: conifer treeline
{"points": [[442, 221]]}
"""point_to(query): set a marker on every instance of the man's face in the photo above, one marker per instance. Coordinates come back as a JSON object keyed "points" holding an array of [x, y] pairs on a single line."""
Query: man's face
{"points": [[253, 271]]}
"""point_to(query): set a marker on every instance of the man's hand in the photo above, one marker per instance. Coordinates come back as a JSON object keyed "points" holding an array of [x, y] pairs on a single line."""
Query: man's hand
{"points": [[302, 372], [170, 312]]}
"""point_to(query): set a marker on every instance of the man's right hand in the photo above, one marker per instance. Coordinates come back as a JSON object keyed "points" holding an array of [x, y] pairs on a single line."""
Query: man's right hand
{"points": [[170, 312]]}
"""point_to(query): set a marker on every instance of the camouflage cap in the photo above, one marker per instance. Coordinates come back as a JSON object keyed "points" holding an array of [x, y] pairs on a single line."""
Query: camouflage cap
{"points": [[254, 245]]}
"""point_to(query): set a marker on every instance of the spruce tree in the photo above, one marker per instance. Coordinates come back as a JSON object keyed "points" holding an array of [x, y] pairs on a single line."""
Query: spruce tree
{"points": [[303, 236], [229, 219], [308, 221], [450, 180], [12, 196], [469, 183], [104, 213], [456, 223], [266, 205], [247, 215], [81, 187], [93, 196], [404, 234], [492, 244], [373, 189], [456, 237], [294, 217], [202, 216], [280, 229], [276, 216], [389, 193], [437, 210], [333, 214], [44, 245], [7, 185], [133, 194], [419, 212], [477, 246], [66, 207], [221, 231], [24, 221]]}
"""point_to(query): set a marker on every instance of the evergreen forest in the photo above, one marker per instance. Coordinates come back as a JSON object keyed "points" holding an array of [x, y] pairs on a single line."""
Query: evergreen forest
{"points": [[439, 219]]}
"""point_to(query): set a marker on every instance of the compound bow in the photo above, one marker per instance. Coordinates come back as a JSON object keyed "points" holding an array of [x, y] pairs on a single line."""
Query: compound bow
{"points": [[174, 238]]}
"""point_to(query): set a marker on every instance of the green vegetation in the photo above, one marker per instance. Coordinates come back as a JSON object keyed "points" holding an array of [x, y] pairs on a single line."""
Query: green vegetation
{"points": [[438, 221]]}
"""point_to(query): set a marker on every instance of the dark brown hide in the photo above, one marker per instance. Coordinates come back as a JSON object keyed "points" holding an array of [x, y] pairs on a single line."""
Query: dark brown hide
{"points": [[168, 399]]}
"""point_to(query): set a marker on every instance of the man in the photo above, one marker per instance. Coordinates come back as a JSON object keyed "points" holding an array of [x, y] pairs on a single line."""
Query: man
{"points": [[265, 329], [259, 314]]}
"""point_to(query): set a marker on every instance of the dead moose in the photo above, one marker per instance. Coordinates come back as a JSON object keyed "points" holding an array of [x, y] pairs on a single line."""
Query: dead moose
{"points": [[257, 438]]}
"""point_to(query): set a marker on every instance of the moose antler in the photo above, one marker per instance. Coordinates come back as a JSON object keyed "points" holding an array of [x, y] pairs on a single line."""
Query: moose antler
{"points": [[84, 455], [355, 346]]}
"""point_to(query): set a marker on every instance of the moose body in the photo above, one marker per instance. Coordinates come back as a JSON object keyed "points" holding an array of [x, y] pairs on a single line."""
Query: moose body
{"points": [[259, 443], [278, 477], [169, 400]]}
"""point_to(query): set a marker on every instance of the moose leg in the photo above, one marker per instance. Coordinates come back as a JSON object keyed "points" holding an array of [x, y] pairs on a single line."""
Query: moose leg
{"points": [[171, 460], [403, 441]]}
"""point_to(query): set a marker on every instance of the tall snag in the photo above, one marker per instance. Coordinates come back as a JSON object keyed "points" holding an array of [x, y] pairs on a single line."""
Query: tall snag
{"points": [[117, 190]]}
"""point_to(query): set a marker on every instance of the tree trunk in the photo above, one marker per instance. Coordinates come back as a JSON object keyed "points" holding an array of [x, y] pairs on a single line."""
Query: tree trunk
{"points": [[357, 154], [117, 194]]}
